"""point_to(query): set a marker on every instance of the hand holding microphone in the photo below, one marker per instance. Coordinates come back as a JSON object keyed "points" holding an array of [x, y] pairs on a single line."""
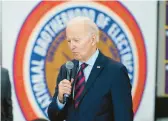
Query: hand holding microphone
{"points": [[64, 87], [64, 90]]}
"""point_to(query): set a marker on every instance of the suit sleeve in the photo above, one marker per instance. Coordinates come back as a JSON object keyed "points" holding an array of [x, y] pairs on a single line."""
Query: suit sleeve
{"points": [[121, 96], [54, 113], [8, 100]]}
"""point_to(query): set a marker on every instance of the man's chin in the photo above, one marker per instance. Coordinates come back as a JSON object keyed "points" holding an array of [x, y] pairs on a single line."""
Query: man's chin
{"points": [[76, 58]]}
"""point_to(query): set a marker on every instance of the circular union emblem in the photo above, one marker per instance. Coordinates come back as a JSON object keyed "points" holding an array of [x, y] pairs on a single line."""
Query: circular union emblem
{"points": [[42, 48]]}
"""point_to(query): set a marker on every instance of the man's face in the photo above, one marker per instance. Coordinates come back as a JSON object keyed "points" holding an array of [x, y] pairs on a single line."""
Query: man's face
{"points": [[79, 41]]}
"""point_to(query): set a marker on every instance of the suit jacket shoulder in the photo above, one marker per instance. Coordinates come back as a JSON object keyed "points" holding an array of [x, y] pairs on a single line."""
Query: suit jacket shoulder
{"points": [[114, 64], [4, 78]]}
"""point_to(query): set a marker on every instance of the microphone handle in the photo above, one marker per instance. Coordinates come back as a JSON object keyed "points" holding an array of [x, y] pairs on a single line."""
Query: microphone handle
{"points": [[66, 96], [68, 74]]}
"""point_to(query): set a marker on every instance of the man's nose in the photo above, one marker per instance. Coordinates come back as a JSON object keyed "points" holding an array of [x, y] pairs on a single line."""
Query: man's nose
{"points": [[72, 45]]}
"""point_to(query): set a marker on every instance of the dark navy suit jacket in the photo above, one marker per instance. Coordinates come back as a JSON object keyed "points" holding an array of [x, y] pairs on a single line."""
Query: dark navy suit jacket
{"points": [[106, 97]]}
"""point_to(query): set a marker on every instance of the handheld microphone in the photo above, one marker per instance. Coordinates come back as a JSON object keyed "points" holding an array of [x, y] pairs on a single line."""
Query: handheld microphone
{"points": [[69, 66]]}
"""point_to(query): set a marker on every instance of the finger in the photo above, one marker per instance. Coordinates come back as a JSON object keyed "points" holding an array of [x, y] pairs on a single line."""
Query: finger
{"points": [[60, 84], [67, 91], [66, 85], [72, 80], [66, 88], [65, 81]]}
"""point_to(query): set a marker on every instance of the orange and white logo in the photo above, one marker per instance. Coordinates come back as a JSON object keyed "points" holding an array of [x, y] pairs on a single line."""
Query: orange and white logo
{"points": [[41, 49]]}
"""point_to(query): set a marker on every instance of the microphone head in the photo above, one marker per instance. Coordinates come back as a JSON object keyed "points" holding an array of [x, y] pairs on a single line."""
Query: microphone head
{"points": [[69, 65]]}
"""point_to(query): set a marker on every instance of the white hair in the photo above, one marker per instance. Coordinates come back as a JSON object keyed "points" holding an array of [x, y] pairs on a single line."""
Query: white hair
{"points": [[93, 29]]}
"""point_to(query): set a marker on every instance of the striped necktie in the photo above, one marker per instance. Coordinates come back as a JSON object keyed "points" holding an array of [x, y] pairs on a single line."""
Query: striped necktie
{"points": [[80, 84]]}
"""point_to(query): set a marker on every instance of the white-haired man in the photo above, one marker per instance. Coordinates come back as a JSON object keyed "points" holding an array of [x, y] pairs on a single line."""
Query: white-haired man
{"points": [[101, 90]]}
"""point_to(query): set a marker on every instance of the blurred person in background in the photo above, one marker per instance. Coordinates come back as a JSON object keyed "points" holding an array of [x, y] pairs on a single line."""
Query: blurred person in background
{"points": [[6, 101], [39, 119]]}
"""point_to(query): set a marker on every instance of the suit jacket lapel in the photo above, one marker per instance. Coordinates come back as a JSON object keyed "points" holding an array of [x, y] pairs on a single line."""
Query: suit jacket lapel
{"points": [[96, 70], [74, 71]]}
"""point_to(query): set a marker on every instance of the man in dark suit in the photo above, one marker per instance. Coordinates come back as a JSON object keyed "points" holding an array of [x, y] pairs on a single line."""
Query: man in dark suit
{"points": [[101, 90], [6, 101]]}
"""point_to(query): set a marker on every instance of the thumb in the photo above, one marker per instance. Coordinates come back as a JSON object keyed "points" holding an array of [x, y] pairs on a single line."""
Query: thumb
{"points": [[72, 80]]}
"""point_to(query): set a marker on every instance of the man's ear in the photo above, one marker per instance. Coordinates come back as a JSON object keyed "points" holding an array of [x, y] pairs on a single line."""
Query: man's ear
{"points": [[93, 39]]}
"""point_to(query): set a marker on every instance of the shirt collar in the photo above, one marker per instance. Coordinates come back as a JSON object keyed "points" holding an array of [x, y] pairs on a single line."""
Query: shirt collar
{"points": [[92, 59]]}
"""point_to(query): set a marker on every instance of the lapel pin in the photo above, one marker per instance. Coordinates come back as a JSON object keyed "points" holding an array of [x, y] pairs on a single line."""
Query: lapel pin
{"points": [[98, 66]]}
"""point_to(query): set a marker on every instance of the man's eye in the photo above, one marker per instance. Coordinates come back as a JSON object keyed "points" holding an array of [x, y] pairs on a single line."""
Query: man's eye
{"points": [[76, 40]]}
